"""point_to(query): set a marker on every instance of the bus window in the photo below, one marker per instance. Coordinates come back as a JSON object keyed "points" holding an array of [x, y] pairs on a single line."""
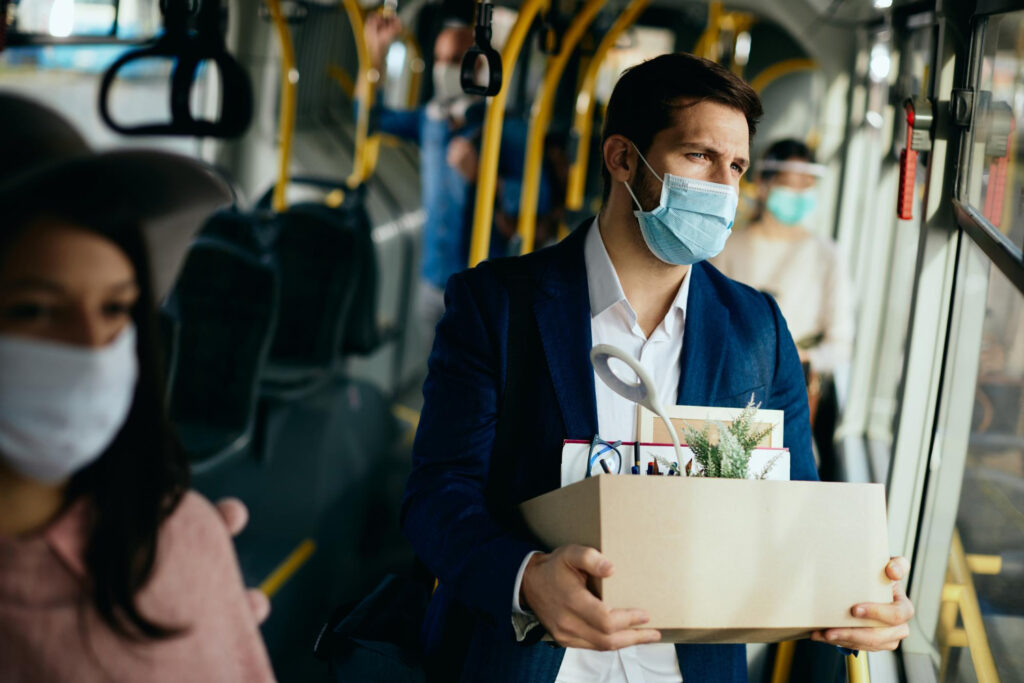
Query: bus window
{"points": [[75, 18], [637, 45], [975, 507], [996, 184], [991, 514]]}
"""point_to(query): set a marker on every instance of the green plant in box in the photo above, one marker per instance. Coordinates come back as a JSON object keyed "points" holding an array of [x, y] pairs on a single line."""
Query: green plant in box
{"points": [[728, 457]]}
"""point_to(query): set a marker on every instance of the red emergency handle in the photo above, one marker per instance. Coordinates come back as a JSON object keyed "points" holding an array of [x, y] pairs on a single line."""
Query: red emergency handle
{"points": [[908, 173]]}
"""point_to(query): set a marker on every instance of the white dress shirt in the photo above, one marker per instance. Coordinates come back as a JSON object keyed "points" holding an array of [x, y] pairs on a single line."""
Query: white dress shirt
{"points": [[613, 321]]}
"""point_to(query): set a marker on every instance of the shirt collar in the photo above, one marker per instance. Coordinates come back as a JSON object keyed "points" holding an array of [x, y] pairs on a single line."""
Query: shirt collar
{"points": [[602, 280], [606, 289]]}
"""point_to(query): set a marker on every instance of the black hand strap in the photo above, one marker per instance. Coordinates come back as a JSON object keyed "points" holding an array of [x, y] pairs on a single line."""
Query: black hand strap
{"points": [[482, 48], [188, 48]]}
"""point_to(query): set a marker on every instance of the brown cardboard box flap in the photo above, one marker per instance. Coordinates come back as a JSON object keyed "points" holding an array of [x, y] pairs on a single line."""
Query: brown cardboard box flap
{"points": [[727, 560]]}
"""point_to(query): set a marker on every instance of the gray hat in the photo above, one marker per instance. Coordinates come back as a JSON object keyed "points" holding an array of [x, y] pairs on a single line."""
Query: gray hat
{"points": [[168, 195]]}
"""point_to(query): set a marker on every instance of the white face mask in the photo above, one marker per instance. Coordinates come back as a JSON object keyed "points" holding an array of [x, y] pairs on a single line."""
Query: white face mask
{"points": [[62, 405], [447, 82]]}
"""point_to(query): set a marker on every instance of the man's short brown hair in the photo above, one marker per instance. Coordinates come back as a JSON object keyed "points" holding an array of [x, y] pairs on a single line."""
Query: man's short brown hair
{"points": [[647, 96]]}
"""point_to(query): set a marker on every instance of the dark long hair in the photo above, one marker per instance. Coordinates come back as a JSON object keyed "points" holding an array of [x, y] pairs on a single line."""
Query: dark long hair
{"points": [[141, 477]]}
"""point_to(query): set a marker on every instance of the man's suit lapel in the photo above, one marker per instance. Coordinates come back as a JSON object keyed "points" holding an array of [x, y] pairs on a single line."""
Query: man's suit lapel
{"points": [[562, 308], [705, 339]]}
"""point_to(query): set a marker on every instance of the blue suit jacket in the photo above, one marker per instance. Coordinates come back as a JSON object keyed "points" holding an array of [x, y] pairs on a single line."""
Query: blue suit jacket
{"points": [[487, 442]]}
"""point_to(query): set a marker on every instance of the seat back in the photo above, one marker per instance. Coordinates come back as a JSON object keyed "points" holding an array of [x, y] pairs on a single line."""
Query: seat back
{"points": [[318, 265], [225, 306]]}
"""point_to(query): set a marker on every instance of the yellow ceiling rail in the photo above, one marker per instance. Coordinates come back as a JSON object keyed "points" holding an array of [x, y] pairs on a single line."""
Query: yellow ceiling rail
{"points": [[487, 178], [583, 123], [289, 85], [365, 157], [780, 69], [540, 118]]}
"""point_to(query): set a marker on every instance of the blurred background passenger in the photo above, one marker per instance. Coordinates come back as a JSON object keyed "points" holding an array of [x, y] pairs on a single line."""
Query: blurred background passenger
{"points": [[805, 272], [448, 130], [110, 568], [802, 269]]}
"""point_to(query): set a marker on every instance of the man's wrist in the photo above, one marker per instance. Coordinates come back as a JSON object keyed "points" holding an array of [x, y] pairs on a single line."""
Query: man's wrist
{"points": [[519, 606]]}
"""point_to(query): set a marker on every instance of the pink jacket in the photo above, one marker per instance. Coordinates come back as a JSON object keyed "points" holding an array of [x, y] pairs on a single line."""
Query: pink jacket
{"points": [[49, 630]]}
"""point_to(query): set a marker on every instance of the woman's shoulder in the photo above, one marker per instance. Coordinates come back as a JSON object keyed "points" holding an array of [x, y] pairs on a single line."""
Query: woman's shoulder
{"points": [[195, 525]]}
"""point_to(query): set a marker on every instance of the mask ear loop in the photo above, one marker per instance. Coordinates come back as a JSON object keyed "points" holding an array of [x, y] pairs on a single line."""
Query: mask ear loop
{"points": [[636, 201], [655, 173]]}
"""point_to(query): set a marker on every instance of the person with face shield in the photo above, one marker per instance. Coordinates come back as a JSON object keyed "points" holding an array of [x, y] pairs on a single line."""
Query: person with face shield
{"points": [[448, 130], [803, 270], [110, 568]]}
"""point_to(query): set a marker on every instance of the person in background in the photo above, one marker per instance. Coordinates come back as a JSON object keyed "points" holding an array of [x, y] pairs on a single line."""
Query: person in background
{"points": [[110, 568], [448, 130], [804, 271]]}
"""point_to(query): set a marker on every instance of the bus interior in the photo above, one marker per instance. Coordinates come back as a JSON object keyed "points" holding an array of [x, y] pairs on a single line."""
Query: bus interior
{"points": [[295, 370]]}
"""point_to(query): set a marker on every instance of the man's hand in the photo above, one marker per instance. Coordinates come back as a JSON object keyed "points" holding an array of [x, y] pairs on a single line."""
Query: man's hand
{"points": [[463, 158], [555, 588], [381, 31], [895, 615]]}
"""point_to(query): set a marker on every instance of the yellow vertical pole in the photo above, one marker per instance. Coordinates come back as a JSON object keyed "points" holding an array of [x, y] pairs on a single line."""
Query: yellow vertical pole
{"points": [[584, 119], [783, 661], [707, 44], [365, 156], [540, 118], [289, 85], [487, 178], [857, 668]]}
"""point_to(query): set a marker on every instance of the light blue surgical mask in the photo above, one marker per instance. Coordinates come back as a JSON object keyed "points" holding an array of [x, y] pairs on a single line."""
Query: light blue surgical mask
{"points": [[692, 221], [791, 206]]}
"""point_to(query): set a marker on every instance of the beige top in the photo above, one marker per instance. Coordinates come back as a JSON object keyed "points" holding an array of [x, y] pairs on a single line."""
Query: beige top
{"points": [[808, 277], [49, 631]]}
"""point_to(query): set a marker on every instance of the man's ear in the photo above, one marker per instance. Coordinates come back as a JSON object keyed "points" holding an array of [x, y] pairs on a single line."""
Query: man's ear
{"points": [[619, 158]]}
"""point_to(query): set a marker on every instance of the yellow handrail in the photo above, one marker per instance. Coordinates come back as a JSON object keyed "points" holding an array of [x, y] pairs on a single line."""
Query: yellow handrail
{"points": [[857, 668], [856, 665], [367, 147], [708, 40], [487, 180], [780, 69], [291, 564], [584, 121], [783, 661], [959, 596], [286, 125], [540, 118]]}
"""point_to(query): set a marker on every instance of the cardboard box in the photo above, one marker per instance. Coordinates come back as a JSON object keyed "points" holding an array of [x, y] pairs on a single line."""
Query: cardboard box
{"points": [[727, 560]]}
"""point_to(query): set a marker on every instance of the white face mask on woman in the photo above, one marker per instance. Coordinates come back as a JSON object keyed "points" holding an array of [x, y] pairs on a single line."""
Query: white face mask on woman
{"points": [[62, 405]]}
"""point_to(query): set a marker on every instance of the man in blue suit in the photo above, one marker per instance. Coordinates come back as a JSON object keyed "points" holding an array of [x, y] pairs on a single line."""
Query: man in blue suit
{"points": [[510, 379]]}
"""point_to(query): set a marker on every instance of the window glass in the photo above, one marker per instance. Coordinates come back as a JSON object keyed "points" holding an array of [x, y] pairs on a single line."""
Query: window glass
{"points": [[995, 178], [68, 18], [916, 54], [638, 44], [991, 513]]}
